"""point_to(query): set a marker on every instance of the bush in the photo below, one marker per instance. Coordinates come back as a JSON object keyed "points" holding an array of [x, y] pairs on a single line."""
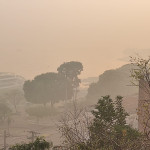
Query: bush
{"points": [[109, 129], [38, 144]]}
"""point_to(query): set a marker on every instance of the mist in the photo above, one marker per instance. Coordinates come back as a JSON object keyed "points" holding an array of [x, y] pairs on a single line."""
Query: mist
{"points": [[91, 32], [61, 57]]}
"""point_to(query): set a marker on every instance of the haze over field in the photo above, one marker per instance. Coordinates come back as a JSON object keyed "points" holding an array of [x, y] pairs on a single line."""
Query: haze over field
{"points": [[36, 36], [67, 78]]}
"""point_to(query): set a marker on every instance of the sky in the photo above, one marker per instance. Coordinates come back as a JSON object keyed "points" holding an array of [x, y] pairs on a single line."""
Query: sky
{"points": [[36, 36]]}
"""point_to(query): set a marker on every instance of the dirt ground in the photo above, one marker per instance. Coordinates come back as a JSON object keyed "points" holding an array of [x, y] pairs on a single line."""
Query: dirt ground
{"points": [[22, 124]]}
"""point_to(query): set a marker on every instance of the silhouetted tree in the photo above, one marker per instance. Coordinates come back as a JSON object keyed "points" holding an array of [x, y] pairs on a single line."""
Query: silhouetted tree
{"points": [[45, 88], [71, 70]]}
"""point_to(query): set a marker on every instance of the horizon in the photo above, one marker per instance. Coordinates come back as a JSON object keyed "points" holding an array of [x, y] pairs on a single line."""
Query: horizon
{"points": [[81, 77]]}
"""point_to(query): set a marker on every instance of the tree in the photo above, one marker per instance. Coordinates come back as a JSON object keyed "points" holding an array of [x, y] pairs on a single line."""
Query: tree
{"points": [[45, 88], [112, 82], [71, 70], [109, 123], [107, 131]]}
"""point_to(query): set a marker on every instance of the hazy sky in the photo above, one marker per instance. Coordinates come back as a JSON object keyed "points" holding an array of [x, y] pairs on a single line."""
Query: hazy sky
{"points": [[36, 36]]}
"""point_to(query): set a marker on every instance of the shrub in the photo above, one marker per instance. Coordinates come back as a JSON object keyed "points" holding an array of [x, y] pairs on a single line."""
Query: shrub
{"points": [[38, 144]]}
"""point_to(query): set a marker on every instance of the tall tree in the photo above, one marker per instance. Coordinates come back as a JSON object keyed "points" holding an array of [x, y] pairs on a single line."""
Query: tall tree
{"points": [[109, 129], [45, 88], [71, 70]]}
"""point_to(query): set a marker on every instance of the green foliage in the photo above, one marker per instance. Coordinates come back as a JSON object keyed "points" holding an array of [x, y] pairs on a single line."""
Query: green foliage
{"points": [[71, 70], [108, 112], [46, 88], [106, 131], [104, 110], [38, 144], [109, 129], [53, 87], [121, 114]]}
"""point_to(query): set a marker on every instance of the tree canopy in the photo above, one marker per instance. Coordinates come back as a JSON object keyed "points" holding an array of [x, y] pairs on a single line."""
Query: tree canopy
{"points": [[45, 88], [53, 87], [71, 70]]}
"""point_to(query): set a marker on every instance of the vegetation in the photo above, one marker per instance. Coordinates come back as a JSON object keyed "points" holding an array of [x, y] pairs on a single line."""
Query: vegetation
{"points": [[112, 82], [70, 71], [103, 128], [107, 131], [49, 87], [46, 88], [38, 144]]}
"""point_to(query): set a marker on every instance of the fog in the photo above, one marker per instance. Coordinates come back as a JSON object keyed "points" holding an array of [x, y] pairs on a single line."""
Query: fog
{"points": [[38, 38], [93, 32]]}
